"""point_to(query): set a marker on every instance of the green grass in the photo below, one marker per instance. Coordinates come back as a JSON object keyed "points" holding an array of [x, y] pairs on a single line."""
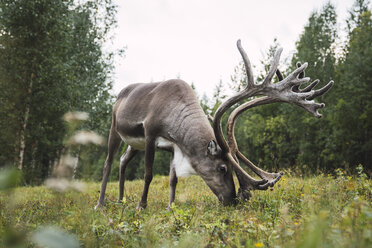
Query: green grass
{"points": [[320, 211]]}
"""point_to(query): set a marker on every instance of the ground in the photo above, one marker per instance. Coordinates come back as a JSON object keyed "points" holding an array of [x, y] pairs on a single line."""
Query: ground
{"points": [[318, 211]]}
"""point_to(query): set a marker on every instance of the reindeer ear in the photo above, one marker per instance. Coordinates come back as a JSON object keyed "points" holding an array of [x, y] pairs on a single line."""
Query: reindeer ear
{"points": [[212, 148]]}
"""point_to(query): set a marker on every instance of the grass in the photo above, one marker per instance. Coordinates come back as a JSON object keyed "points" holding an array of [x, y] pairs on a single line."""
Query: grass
{"points": [[320, 211]]}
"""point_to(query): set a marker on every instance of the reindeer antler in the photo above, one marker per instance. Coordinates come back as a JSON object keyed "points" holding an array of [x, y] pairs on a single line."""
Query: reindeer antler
{"points": [[286, 90]]}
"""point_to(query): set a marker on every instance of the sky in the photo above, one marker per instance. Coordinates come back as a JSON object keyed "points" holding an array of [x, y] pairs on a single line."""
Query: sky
{"points": [[195, 40]]}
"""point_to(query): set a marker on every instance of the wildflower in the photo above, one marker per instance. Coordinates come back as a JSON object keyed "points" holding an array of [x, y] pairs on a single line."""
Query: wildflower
{"points": [[296, 223], [85, 137], [302, 194], [76, 116], [259, 244], [62, 185], [59, 185]]}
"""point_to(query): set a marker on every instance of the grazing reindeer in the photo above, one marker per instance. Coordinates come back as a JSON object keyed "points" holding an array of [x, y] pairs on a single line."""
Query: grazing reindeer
{"points": [[167, 115]]}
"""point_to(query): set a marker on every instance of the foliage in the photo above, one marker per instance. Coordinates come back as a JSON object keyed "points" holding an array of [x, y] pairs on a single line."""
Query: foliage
{"points": [[315, 46], [52, 62], [319, 211], [352, 110], [280, 136]]}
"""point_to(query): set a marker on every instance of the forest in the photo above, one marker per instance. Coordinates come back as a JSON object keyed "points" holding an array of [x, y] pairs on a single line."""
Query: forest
{"points": [[56, 99], [52, 61]]}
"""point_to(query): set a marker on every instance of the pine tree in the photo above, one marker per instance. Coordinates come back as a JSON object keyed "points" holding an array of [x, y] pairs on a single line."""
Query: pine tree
{"points": [[316, 47], [352, 112]]}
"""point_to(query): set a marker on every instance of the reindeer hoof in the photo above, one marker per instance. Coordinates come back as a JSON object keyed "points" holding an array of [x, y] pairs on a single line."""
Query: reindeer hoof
{"points": [[141, 207], [99, 206]]}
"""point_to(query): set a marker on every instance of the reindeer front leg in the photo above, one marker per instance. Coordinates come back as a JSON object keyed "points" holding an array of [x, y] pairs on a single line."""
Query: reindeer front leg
{"points": [[149, 161], [172, 185]]}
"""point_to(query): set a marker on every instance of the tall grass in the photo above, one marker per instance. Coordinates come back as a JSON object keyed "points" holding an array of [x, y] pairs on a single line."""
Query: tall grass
{"points": [[319, 211]]}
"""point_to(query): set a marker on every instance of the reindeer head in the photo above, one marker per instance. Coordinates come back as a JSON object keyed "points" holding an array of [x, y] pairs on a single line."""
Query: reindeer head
{"points": [[216, 171]]}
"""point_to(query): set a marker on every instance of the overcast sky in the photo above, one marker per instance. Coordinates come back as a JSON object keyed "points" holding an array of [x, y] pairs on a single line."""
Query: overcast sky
{"points": [[196, 39]]}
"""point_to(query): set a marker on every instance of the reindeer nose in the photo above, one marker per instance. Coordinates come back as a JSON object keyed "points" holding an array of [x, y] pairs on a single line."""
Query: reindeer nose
{"points": [[220, 198]]}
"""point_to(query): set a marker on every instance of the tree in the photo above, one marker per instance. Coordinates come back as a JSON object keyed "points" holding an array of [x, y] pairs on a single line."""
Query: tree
{"points": [[315, 46], [262, 132], [51, 62], [352, 114], [218, 96], [283, 135]]}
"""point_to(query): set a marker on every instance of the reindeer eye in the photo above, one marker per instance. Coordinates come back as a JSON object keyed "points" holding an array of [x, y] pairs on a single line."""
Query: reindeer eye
{"points": [[222, 168]]}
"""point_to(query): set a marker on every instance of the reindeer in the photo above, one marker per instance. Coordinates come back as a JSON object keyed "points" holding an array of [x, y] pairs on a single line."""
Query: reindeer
{"points": [[167, 115]]}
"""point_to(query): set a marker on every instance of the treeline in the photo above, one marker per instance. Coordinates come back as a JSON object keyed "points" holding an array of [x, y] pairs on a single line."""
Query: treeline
{"points": [[52, 61], [280, 136]]}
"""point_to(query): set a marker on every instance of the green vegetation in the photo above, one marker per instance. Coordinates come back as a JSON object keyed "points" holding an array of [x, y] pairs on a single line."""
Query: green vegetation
{"points": [[52, 62], [320, 211], [280, 136]]}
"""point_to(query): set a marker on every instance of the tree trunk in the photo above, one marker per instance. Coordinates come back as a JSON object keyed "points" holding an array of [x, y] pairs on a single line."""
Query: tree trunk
{"points": [[24, 126], [76, 162]]}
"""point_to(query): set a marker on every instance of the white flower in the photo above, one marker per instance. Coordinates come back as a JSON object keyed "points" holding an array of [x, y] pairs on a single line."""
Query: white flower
{"points": [[62, 185], [76, 116], [86, 137]]}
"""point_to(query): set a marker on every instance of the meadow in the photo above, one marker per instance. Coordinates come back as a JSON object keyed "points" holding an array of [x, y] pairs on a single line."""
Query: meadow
{"points": [[316, 211]]}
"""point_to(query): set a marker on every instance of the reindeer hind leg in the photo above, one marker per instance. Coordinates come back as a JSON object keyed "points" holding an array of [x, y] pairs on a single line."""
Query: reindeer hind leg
{"points": [[113, 145]]}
